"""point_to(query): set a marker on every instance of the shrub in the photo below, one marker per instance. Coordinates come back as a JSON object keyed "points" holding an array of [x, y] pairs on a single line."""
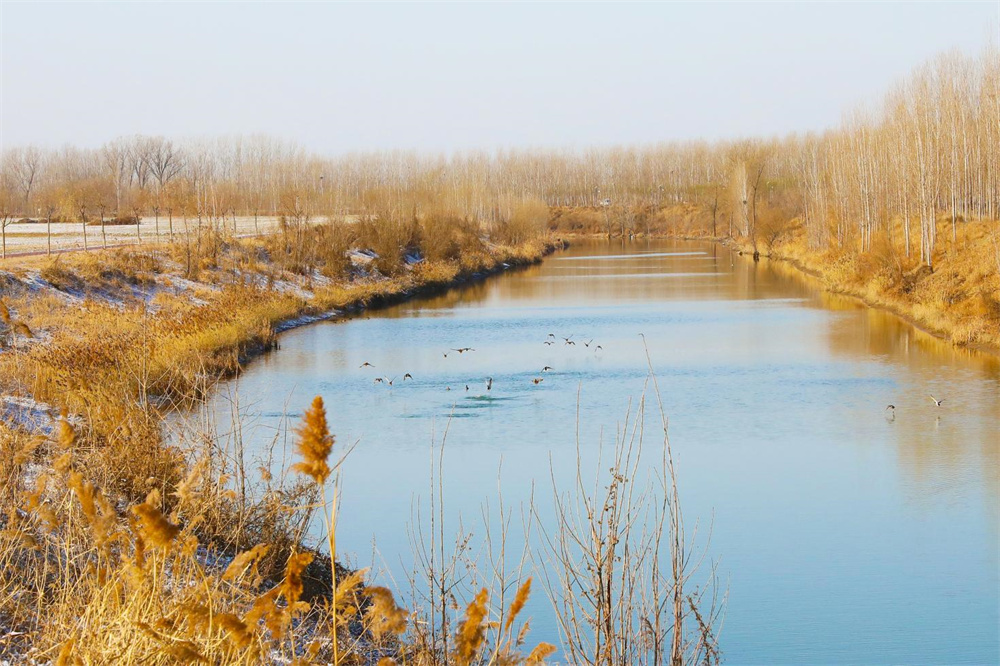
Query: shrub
{"points": [[528, 220]]}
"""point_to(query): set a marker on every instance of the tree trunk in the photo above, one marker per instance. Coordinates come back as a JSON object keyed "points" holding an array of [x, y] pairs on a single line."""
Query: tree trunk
{"points": [[715, 211], [187, 245]]}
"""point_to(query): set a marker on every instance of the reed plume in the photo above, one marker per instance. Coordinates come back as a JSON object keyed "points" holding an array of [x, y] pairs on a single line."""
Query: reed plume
{"points": [[244, 561], [471, 634], [541, 652], [517, 605], [344, 595], [383, 616], [292, 586], [237, 631], [315, 443], [154, 528], [66, 440]]}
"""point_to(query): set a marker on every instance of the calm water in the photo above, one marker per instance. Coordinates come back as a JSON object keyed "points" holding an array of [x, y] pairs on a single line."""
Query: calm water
{"points": [[844, 536]]}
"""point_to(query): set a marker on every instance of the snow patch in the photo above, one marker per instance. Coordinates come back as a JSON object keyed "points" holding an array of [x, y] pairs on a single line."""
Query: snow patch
{"points": [[31, 415], [361, 257], [303, 320]]}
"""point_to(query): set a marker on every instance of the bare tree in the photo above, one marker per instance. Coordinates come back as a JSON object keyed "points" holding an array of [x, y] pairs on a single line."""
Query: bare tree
{"points": [[164, 162], [115, 158], [23, 166], [6, 217]]}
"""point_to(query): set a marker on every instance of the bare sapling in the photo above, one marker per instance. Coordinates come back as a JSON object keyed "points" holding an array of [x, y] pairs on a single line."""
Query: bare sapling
{"points": [[617, 564], [490, 629]]}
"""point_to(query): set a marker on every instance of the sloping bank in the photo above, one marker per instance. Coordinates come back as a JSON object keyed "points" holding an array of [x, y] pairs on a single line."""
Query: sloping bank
{"points": [[118, 339], [115, 340], [129, 325], [957, 301]]}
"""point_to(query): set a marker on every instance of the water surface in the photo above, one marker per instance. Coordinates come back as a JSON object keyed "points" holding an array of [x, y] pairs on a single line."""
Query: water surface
{"points": [[844, 536]]}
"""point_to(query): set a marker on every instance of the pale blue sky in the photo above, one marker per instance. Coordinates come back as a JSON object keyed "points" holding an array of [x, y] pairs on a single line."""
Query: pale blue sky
{"points": [[340, 77]]}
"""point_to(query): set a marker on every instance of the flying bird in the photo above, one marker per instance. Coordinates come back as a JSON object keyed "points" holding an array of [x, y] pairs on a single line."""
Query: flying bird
{"points": [[570, 342], [546, 368], [489, 384], [587, 344], [466, 387], [568, 339], [598, 347], [378, 380], [937, 403], [366, 364], [463, 350], [537, 380], [407, 376], [548, 342]]}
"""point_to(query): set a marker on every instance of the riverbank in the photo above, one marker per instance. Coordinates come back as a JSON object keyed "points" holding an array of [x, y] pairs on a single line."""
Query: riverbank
{"points": [[204, 326], [958, 300], [114, 340]]}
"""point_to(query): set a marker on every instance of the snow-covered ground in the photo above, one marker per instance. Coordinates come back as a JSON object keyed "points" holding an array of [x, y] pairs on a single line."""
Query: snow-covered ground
{"points": [[33, 237]]}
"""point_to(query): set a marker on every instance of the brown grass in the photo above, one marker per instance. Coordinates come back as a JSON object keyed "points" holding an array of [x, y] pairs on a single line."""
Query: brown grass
{"points": [[115, 547], [958, 300], [110, 539]]}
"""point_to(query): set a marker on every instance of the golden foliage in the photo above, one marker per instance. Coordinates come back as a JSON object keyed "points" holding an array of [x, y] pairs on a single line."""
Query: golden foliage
{"points": [[244, 561], [154, 528], [291, 587], [517, 605], [541, 652], [472, 632], [383, 616], [315, 443]]}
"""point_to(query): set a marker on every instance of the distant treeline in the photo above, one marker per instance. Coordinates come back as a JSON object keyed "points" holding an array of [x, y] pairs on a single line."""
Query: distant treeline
{"points": [[918, 164]]}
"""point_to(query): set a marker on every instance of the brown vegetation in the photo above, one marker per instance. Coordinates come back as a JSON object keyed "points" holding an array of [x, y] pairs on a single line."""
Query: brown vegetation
{"points": [[108, 522], [115, 546]]}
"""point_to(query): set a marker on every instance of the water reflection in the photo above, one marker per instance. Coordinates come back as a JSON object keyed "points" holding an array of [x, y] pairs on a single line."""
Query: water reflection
{"points": [[849, 536]]}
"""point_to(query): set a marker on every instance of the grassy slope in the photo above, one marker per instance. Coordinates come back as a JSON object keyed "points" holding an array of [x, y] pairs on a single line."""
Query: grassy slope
{"points": [[958, 301]]}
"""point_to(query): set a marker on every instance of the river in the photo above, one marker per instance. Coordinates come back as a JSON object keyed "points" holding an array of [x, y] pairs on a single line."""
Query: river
{"points": [[842, 532]]}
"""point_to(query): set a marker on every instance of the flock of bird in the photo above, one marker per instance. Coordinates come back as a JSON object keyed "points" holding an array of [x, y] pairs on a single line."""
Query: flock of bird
{"points": [[568, 342], [550, 340]]}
